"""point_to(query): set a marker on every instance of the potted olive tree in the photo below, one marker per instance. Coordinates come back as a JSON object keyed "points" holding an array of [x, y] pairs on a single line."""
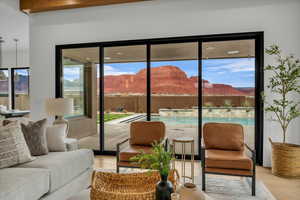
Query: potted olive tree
{"points": [[284, 106]]}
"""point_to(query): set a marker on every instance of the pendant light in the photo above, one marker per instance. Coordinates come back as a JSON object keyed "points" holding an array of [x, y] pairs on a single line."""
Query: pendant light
{"points": [[16, 75]]}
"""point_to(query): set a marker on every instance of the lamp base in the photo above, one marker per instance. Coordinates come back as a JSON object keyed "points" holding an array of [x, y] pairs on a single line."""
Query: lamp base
{"points": [[62, 120]]}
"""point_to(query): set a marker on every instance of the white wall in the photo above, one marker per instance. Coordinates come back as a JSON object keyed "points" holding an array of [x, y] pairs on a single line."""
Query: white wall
{"points": [[14, 24], [160, 18]]}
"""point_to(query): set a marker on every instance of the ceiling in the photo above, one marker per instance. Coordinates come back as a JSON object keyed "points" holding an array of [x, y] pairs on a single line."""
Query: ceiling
{"points": [[165, 52], [34, 6]]}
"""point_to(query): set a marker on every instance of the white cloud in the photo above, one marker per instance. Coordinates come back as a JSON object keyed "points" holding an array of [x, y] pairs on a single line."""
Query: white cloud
{"points": [[243, 65], [109, 70], [72, 72]]}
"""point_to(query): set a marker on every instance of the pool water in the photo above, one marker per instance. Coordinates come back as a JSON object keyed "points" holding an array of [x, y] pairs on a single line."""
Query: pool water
{"points": [[194, 120]]}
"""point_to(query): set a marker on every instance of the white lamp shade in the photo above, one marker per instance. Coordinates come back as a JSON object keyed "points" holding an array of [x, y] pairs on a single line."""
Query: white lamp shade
{"points": [[59, 106]]}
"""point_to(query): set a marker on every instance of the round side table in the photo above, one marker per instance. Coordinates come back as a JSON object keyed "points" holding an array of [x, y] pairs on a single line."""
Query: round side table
{"points": [[184, 141]]}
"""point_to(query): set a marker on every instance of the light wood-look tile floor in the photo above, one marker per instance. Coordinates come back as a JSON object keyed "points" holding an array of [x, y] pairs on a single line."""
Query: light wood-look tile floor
{"points": [[281, 188]]}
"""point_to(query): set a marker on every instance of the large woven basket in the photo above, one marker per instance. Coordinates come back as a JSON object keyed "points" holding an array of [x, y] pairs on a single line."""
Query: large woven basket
{"points": [[285, 159], [128, 186]]}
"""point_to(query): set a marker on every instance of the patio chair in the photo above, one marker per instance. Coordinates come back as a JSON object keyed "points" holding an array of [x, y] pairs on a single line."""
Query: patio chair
{"points": [[225, 152], [142, 135]]}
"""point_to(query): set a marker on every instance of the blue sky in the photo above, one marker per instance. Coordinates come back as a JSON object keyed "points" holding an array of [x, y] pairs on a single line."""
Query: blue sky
{"points": [[23, 72], [238, 72]]}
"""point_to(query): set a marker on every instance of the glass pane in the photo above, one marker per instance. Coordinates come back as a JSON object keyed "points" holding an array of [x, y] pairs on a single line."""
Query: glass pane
{"points": [[74, 86], [21, 83], [124, 91], [4, 102], [80, 84], [228, 71], [174, 90]]}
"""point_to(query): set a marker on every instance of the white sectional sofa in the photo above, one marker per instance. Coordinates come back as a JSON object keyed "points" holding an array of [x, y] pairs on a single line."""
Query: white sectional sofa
{"points": [[55, 176]]}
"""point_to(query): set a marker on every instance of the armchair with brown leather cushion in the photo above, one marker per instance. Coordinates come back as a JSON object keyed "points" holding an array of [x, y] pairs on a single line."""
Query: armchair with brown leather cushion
{"points": [[225, 152], [142, 135]]}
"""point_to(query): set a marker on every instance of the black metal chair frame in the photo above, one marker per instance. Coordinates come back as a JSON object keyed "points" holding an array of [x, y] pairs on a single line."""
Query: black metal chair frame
{"points": [[253, 176]]}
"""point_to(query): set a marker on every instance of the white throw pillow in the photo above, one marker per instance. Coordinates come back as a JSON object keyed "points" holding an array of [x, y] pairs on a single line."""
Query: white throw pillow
{"points": [[56, 135]]}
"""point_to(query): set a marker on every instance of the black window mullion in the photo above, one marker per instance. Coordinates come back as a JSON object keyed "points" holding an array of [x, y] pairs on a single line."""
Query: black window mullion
{"points": [[259, 87], [200, 100], [101, 98], [148, 82], [12, 77]]}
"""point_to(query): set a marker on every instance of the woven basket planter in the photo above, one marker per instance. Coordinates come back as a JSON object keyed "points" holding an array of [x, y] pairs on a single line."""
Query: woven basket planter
{"points": [[285, 159], [129, 186]]}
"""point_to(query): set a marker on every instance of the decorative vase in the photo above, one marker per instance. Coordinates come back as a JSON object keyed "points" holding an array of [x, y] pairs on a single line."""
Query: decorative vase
{"points": [[164, 188], [190, 191]]}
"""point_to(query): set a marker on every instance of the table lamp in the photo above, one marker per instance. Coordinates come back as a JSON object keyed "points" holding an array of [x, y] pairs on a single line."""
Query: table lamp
{"points": [[59, 107]]}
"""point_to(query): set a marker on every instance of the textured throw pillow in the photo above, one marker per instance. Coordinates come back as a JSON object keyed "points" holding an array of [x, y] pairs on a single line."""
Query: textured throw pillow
{"points": [[35, 136], [13, 147], [56, 135]]}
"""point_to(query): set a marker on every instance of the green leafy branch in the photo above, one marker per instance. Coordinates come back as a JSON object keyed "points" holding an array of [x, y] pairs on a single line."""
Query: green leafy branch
{"points": [[159, 159], [284, 82]]}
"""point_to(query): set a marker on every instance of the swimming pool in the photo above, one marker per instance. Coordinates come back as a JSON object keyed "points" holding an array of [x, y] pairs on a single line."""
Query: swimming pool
{"points": [[194, 120]]}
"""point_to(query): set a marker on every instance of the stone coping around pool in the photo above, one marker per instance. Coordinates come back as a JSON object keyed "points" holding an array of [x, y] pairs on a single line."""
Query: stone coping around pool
{"points": [[213, 112]]}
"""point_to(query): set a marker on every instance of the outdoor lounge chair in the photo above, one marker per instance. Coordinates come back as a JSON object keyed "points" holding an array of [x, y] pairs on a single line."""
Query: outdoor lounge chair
{"points": [[142, 135], [225, 152]]}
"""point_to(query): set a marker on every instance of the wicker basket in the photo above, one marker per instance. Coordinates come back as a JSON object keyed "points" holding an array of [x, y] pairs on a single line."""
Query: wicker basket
{"points": [[128, 186], [285, 159]]}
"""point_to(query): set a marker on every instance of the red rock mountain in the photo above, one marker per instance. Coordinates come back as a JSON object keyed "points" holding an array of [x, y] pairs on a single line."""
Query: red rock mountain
{"points": [[164, 80]]}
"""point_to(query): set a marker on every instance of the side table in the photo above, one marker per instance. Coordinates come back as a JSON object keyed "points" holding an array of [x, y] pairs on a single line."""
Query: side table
{"points": [[184, 141]]}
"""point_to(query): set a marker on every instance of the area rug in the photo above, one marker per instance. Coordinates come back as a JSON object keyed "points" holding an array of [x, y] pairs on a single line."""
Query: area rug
{"points": [[229, 187], [225, 187], [234, 188]]}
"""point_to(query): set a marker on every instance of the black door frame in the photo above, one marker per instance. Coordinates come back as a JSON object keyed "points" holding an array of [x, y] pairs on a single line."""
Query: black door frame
{"points": [[259, 77]]}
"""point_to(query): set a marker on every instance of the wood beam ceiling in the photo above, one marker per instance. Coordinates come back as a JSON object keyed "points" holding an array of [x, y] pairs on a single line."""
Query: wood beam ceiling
{"points": [[34, 6]]}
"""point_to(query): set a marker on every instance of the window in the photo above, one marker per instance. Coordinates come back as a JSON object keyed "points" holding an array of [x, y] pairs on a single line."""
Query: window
{"points": [[20, 89], [4, 99], [78, 66], [74, 86]]}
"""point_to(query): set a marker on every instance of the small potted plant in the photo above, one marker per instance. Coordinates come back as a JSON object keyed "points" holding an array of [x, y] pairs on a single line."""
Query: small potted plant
{"points": [[159, 160], [228, 104], [209, 105], [284, 83], [247, 106]]}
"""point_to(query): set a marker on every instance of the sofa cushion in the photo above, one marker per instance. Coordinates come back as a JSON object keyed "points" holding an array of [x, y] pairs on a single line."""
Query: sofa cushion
{"points": [[63, 166], [23, 184], [146, 133], [227, 160], [224, 136], [133, 150]]}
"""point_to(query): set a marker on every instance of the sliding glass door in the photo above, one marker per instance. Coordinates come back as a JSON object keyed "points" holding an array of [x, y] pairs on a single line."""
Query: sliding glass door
{"points": [[174, 89], [79, 82], [125, 79], [228, 84], [183, 82]]}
